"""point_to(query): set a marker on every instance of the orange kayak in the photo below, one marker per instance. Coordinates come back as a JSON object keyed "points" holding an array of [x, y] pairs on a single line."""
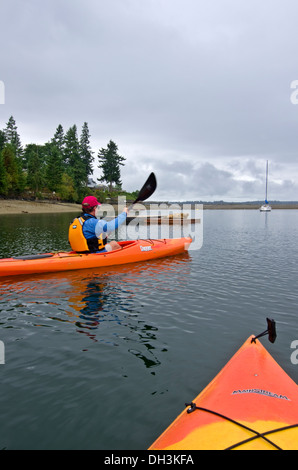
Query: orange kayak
{"points": [[252, 404], [130, 252]]}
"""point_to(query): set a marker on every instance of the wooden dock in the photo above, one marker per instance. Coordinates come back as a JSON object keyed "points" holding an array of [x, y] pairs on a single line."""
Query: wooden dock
{"points": [[162, 220]]}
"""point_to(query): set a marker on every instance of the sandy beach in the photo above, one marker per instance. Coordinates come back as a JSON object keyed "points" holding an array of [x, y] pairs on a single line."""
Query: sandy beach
{"points": [[9, 206]]}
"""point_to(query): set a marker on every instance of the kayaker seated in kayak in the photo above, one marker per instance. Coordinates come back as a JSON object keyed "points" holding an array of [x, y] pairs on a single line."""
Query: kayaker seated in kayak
{"points": [[88, 234]]}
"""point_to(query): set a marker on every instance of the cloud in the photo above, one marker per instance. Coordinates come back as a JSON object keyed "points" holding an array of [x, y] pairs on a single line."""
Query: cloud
{"points": [[198, 87]]}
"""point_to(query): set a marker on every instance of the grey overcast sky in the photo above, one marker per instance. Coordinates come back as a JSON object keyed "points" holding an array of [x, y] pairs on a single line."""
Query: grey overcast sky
{"points": [[197, 91]]}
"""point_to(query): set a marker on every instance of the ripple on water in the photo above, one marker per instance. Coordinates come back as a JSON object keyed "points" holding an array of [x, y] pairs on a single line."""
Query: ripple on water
{"points": [[150, 335]]}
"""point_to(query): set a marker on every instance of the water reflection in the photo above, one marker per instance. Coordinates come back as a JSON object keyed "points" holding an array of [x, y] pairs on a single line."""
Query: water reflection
{"points": [[107, 306]]}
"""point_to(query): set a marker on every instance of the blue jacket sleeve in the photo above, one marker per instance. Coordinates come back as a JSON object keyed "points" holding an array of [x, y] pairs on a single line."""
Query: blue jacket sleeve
{"points": [[105, 227]]}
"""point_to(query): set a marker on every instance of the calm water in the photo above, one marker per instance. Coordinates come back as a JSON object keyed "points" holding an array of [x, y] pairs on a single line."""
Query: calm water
{"points": [[105, 359]]}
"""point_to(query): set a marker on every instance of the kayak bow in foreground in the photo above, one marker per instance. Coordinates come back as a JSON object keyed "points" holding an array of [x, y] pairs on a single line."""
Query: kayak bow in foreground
{"points": [[252, 404], [130, 252]]}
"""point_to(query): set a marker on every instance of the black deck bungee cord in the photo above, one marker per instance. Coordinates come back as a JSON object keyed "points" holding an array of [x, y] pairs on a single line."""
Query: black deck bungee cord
{"points": [[194, 407]]}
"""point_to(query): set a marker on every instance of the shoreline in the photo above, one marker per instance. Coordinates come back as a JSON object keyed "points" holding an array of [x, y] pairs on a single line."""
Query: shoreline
{"points": [[14, 206]]}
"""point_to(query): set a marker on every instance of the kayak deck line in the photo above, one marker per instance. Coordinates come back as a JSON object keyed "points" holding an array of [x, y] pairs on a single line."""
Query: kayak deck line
{"points": [[192, 407], [28, 257], [59, 254], [262, 435]]}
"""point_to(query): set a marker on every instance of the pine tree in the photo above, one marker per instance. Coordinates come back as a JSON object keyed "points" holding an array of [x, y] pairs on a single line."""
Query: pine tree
{"points": [[85, 151], [2, 140], [110, 162], [3, 176], [59, 140], [34, 155], [54, 166], [12, 170], [72, 158], [71, 149], [12, 137]]}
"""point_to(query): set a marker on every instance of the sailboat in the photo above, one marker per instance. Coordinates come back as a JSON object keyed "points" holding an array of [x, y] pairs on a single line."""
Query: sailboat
{"points": [[266, 207]]}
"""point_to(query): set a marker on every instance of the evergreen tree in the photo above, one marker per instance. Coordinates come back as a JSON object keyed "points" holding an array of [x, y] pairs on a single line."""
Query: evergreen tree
{"points": [[54, 167], [59, 140], [2, 140], [34, 155], [63, 165], [22, 176], [86, 152], [3, 176], [74, 163], [109, 162], [71, 149], [12, 137], [56, 159], [11, 168]]}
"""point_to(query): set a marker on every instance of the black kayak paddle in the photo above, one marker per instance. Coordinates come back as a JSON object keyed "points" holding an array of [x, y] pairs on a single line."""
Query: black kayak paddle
{"points": [[147, 190]]}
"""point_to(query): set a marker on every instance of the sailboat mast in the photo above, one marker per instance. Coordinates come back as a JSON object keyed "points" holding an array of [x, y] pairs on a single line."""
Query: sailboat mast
{"points": [[266, 182], [265, 207]]}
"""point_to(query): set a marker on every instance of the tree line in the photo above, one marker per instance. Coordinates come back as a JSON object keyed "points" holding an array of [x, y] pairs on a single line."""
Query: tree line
{"points": [[59, 169]]}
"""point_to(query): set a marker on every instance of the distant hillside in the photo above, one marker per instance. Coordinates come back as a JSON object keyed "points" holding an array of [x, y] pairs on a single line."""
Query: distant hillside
{"points": [[231, 205]]}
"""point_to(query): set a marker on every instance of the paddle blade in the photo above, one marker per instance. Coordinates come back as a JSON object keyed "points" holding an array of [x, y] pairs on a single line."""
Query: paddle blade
{"points": [[148, 189], [271, 330]]}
